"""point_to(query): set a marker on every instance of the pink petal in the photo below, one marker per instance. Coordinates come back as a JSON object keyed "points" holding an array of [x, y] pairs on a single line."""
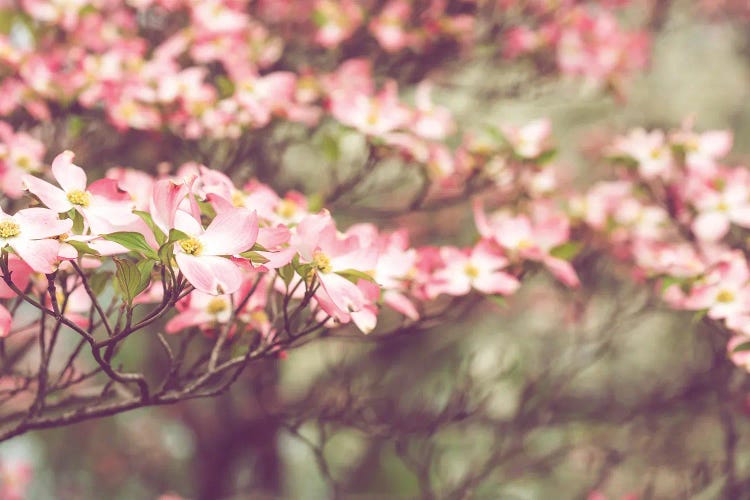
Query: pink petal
{"points": [[53, 197], [711, 226], [220, 203], [272, 237], [210, 274], [401, 303], [278, 258], [19, 273], [165, 199], [231, 233], [186, 223], [342, 293], [563, 271], [37, 223], [366, 319], [40, 255], [109, 189], [70, 177], [186, 319], [499, 282]]}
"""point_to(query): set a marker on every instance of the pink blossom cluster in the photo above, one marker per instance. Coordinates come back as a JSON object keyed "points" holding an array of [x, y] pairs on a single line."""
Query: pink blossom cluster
{"points": [[681, 216], [585, 42], [213, 71], [222, 243], [396, 25]]}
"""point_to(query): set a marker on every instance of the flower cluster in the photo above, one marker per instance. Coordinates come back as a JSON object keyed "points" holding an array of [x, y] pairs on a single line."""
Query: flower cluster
{"points": [[226, 249], [212, 73], [681, 216], [584, 42]]}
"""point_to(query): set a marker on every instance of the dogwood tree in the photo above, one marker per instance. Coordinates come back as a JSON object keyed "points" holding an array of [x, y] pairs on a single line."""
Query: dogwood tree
{"points": [[144, 147]]}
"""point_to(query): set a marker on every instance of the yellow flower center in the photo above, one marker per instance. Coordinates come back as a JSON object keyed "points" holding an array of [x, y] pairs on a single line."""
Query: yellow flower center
{"points": [[259, 316], [78, 197], [24, 162], [216, 305], [63, 237], [374, 115], [471, 270], [191, 246], [722, 207], [9, 229], [238, 199], [524, 244], [725, 296], [286, 209], [322, 262]]}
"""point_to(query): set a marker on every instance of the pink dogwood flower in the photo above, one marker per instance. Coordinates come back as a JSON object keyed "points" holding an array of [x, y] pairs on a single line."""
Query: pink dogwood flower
{"points": [[102, 204], [30, 233], [319, 244], [478, 268], [205, 256]]}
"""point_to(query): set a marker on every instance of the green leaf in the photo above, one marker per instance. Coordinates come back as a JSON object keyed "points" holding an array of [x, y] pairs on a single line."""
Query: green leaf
{"points": [[498, 300], [286, 273], [254, 257], [98, 281], [225, 86], [132, 241], [166, 250], [329, 145], [319, 19], [668, 281], [745, 346], [315, 203], [567, 251], [355, 275], [81, 247], [546, 157], [77, 219], [144, 268], [130, 279], [158, 233], [176, 235], [75, 126]]}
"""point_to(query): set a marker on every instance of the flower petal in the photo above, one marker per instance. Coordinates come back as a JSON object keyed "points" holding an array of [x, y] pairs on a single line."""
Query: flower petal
{"points": [[40, 255], [230, 233], [70, 177], [210, 274], [53, 197], [186, 319], [165, 199], [37, 223]]}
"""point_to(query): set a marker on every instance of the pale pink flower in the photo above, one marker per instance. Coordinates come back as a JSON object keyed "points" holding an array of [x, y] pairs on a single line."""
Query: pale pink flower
{"points": [[205, 256], [389, 28], [649, 149], [531, 140], [102, 204], [431, 121], [477, 268], [336, 21], [724, 290], [320, 245], [372, 115], [703, 151], [30, 233]]}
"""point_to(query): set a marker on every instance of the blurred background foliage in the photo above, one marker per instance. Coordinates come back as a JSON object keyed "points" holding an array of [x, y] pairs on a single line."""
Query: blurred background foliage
{"points": [[551, 395]]}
